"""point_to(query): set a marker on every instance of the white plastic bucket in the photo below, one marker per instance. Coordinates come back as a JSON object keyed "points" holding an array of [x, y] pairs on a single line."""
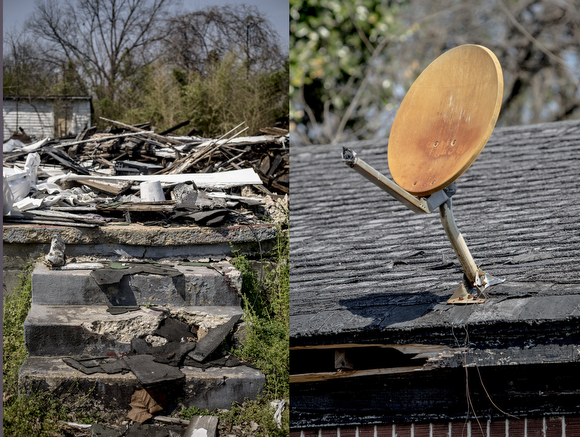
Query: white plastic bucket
{"points": [[152, 192]]}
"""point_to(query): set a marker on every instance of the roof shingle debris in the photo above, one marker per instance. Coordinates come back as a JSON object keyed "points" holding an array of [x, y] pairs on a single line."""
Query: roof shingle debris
{"points": [[152, 365], [103, 177]]}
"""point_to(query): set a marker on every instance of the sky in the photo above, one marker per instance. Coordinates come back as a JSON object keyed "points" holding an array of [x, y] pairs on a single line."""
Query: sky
{"points": [[16, 11]]}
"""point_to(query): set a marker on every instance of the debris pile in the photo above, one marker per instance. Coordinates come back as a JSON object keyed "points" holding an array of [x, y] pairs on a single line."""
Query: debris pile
{"points": [[132, 174], [180, 344]]}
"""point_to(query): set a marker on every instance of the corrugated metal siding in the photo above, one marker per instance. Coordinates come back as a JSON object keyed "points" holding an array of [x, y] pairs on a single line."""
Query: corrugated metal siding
{"points": [[37, 116]]}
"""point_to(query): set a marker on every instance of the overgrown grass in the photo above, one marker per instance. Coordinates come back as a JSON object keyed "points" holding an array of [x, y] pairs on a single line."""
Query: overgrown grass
{"points": [[266, 308], [34, 415]]}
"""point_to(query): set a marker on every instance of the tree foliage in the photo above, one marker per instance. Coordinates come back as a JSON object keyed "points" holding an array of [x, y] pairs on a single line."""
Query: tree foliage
{"points": [[108, 40], [195, 41], [334, 47], [536, 41], [215, 102], [141, 61], [27, 71]]}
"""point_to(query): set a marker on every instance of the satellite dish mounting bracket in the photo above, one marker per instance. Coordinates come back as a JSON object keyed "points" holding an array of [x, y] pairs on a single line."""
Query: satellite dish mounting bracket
{"points": [[475, 281]]}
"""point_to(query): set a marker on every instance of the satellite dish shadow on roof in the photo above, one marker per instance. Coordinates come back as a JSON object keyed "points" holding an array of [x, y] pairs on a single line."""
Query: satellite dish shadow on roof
{"points": [[393, 308], [440, 129]]}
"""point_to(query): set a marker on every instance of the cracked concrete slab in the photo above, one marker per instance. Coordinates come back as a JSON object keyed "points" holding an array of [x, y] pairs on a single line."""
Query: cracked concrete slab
{"points": [[218, 283], [76, 330], [112, 393]]}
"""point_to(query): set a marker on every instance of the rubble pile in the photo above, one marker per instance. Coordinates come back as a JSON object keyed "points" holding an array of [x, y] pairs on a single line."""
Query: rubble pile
{"points": [[132, 174]]}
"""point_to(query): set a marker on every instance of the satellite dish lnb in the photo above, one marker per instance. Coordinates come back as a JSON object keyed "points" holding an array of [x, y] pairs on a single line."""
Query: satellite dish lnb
{"points": [[440, 129]]}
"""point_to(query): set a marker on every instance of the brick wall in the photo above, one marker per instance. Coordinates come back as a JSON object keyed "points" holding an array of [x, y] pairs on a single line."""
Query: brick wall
{"points": [[539, 427]]}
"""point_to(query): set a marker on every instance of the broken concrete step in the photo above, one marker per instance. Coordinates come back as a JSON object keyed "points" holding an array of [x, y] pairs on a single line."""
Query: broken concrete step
{"points": [[215, 387], [219, 284], [76, 330]]}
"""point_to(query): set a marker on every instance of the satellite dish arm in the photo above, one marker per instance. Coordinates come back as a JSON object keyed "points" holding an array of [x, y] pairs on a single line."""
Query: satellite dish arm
{"points": [[469, 267], [416, 205], [475, 280]]}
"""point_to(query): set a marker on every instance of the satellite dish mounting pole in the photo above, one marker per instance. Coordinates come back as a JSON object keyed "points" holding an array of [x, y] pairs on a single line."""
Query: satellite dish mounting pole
{"points": [[457, 241]]}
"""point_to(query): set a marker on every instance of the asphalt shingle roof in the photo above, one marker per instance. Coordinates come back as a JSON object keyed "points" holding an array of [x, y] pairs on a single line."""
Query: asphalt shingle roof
{"points": [[365, 268]]}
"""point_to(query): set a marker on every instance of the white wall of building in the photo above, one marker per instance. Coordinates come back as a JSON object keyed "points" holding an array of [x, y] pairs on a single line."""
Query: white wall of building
{"points": [[37, 116]]}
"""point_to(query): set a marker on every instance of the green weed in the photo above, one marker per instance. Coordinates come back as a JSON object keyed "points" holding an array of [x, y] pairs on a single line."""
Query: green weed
{"points": [[267, 318], [244, 416], [23, 415]]}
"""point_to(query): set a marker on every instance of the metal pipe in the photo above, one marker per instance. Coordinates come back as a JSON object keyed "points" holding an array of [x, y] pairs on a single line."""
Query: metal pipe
{"points": [[384, 183], [458, 242]]}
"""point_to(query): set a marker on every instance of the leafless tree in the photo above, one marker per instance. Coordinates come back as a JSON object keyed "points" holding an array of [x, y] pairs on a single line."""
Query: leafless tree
{"points": [[107, 39], [196, 40], [536, 41]]}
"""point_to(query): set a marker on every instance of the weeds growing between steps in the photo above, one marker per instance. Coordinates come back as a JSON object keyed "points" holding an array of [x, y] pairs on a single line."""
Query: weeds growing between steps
{"points": [[266, 315], [34, 415]]}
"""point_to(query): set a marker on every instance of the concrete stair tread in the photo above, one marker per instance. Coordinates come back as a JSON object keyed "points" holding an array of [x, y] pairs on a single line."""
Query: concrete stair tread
{"points": [[78, 314], [75, 330], [217, 284], [215, 387]]}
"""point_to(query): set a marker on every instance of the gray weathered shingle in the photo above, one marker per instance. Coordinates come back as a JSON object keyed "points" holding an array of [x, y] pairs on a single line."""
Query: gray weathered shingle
{"points": [[365, 268]]}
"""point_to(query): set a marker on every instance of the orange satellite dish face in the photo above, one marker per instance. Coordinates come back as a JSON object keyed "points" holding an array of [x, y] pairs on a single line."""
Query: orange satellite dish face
{"points": [[445, 119]]}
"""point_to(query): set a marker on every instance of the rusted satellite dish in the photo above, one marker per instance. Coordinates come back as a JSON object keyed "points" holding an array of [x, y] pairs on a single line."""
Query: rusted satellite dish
{"points": [[440, 129], [445, 119]]}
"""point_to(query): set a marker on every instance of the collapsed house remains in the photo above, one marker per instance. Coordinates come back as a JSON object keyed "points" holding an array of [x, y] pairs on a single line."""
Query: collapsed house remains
{"points": [[135, 300], [45, 116]]}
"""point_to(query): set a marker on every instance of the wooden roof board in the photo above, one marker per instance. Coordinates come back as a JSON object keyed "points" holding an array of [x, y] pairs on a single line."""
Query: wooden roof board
{"points": [[365, 268]]}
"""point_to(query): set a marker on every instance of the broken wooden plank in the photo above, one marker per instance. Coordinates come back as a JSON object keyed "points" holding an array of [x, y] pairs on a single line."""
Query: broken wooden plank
{"points": [[265, 164], [325, 376], [183, 165], [108, 186], [277, 160], [67, 215], [8, 220], [280, 187], [412, 348], [82, 208], [66, 162], [174, 128], [175, 420], [102, 139], [248, 141], [274, 131], [85, 133], [177, 153], [226, 179], [134, 129], [164, 206]]}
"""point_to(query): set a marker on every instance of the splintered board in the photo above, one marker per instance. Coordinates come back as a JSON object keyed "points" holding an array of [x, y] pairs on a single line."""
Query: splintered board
{"points": [[445, 119]]}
